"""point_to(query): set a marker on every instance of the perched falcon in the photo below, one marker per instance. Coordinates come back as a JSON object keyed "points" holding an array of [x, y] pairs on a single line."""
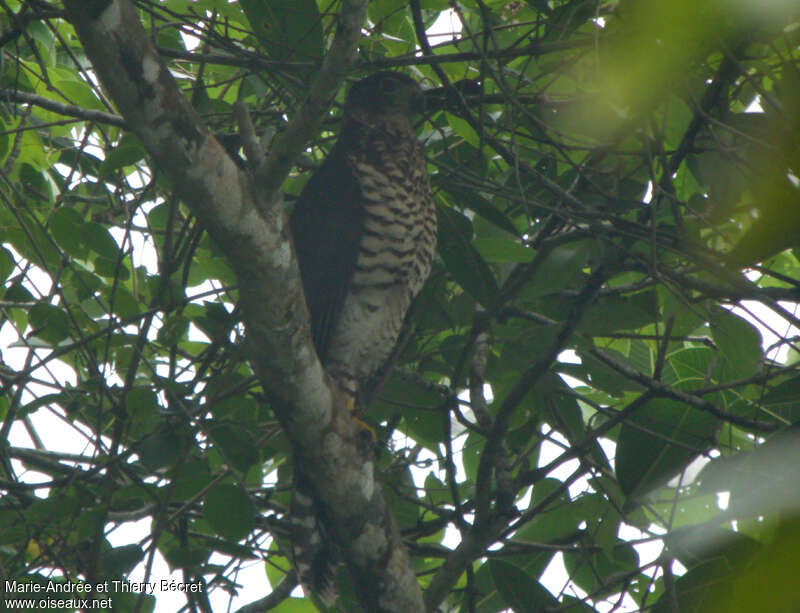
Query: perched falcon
{"points": [[364, 231]]}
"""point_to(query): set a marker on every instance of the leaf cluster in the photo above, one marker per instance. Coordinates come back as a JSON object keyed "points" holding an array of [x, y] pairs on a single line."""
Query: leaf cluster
{"points": [[601, 373]]}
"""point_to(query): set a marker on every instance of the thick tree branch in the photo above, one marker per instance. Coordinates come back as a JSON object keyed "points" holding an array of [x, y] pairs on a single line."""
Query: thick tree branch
{"points": [[256, 240]]}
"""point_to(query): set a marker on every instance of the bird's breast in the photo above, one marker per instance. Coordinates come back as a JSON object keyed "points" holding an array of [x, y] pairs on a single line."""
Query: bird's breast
{"points": [[399, 223]]}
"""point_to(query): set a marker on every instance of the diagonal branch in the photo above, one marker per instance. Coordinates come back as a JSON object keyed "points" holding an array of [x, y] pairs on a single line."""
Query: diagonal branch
{"points": [[487, 524], [70, 110], [255, 238]]}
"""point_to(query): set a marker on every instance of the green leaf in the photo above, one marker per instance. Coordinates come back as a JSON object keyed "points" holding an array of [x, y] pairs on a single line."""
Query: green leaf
{"points": [[549, 526], [560, 269], [288, 29], [595, 571], [6, 264], [160, 449], [462, 259], [189, 479], [471, 455], [689, 367], [229, 511], [125, 305], [66, 224], [79, 92], [784, 400], [503, 250], [100, 241], [121, 560], [51, 322], [277, 566], [739, 342], [520, 591], [175, 329], [405, 512], [464, 130], [295, 605], [471, 199], [658, 441], [604, 377], [126, 153], [676, 119], [236, 445], [620, 313], [141, 404]]}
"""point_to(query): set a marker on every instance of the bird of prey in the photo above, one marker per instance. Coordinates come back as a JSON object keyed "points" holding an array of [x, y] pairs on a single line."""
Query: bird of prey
{"points": [[364, 231]]}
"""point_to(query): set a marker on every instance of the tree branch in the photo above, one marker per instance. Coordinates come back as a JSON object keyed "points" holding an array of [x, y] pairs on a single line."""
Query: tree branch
{"points": [[70, 110], [256, 240], [309, 118]]}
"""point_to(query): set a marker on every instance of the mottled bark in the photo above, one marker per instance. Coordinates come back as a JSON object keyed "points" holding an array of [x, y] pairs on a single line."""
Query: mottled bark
{"points": [[241, 216]]}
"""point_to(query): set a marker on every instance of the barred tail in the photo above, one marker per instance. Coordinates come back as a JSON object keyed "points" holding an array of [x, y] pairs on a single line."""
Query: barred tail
{"points": [[312, 549]]}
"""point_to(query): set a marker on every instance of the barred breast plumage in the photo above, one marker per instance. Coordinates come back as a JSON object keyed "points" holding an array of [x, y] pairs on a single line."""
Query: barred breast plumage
{"points": [[394, 252], [364, 231]]}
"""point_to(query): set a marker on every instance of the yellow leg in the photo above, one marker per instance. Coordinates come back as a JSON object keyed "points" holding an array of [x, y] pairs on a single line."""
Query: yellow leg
{"points": [[366, 430]]}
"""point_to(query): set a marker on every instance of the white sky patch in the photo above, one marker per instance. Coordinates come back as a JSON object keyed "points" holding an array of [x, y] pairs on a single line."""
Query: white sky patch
{"points": [[446, 25], [648, 194], [771, 325], [135, 533], [689, 473], [556, 579], [755, 106], [569, 356]]}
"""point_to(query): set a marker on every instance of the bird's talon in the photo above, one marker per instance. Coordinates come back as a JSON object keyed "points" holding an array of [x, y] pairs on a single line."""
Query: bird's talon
{"points": [[365, 431]]}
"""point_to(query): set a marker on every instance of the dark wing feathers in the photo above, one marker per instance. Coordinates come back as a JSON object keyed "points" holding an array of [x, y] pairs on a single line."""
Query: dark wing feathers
{"points": [[327, 222]]}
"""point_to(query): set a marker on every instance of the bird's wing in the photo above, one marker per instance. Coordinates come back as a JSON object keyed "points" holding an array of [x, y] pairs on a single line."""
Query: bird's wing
{"points": [[327, 222]]}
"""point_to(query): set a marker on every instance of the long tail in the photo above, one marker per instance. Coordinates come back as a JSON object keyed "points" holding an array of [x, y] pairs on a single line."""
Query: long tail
{"points": [[312, 549]]}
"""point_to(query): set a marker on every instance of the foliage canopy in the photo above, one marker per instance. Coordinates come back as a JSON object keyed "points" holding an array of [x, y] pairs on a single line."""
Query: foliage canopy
{"points": [[602, 370]]}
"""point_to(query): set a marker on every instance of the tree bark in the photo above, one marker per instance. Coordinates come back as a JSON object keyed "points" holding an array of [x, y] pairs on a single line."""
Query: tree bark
{"points": [[243, 218]]}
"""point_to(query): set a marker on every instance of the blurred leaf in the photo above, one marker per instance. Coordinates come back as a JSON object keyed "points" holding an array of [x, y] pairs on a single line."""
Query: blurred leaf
{"points": [[658, 441], [236, 445], [66, 225], [561, 268], [676, 121], [597, 572], [288, 29], [500, 250], [519, 590], [784, 400], [100, 241], [229, 511], [160, 449], [738, 340], [51, 323], [470, 199], [462, 259], [174, 330], [189, 479], [121, 560], [464, 130], [126, 153]]}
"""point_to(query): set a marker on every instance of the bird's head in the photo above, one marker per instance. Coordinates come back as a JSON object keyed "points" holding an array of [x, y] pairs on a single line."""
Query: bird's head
{"points": [[385, 95]]}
